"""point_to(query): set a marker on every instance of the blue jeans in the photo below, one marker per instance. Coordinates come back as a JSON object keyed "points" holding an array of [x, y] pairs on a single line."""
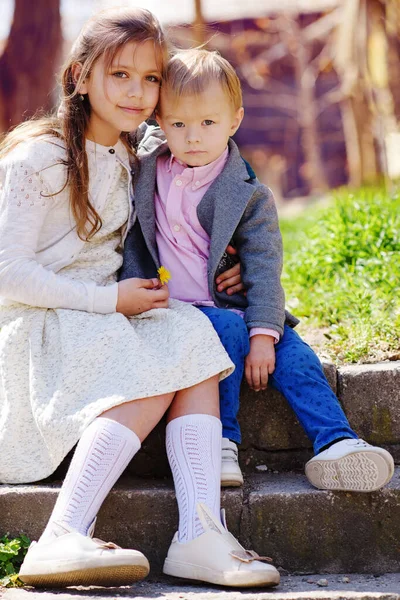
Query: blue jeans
{"points": [[298, 376]]}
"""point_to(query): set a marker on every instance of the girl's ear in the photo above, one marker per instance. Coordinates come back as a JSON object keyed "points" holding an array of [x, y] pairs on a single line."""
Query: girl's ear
{"points": [[76, 71], [237, 119]]}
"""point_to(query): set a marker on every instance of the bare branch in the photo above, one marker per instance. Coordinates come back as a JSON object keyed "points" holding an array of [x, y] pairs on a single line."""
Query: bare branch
{"points": [[317, 30], [334, 96], [288, 104]]}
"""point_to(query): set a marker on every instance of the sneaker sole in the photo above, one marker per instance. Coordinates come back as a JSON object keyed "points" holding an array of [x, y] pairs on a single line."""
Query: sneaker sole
{"points": [[231, 579], [103, 576], [231, 482], [357, 472]]}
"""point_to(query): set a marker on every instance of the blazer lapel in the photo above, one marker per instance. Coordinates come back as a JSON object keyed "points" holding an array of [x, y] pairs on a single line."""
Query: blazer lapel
{"points": [[144, 197], [222, 206]]}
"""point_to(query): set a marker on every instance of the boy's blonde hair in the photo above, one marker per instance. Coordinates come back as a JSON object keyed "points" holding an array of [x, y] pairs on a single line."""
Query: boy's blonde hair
{"points": [[190, 72]]}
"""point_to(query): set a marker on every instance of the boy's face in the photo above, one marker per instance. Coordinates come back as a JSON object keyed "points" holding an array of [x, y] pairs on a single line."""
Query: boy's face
{"points": [[198, 127]]}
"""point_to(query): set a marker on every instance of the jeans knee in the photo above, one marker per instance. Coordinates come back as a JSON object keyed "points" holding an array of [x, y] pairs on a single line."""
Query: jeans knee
{"points": [[297, 355]]}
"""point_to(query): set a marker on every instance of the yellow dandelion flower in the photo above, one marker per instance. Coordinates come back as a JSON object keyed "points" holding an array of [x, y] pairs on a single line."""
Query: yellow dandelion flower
{"points": [[163, 275]]}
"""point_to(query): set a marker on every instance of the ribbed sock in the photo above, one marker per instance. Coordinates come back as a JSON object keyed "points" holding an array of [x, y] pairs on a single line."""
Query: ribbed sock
{"points": [[194, 453], [102, 454]]}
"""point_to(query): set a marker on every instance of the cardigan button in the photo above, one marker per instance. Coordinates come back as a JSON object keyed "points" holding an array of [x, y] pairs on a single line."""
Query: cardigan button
{"points": [[111, 151]]}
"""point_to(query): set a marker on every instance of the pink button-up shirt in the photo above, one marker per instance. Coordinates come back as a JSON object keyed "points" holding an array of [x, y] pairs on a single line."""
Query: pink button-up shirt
{"points": [[183, 245]]}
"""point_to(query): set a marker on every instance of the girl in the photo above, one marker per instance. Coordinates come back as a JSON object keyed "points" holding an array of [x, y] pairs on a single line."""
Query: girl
{"points": [[85, 358]]}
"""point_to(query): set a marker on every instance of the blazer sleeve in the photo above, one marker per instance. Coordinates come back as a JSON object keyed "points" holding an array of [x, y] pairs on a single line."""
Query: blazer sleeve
{"points": [[23, 210], [259, 244]]}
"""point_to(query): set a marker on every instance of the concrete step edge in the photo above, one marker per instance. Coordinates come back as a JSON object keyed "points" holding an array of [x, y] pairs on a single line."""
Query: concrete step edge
{"points": [[281, 515], [339, 587]]}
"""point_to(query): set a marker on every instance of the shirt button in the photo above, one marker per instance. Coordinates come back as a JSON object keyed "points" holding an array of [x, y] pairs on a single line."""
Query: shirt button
{"points": [[111, 151], [197, 183], [178, 182], [177, 227]]}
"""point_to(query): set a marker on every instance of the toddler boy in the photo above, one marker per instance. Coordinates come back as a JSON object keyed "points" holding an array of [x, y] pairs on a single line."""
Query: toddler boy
{"points": [[195, 195]]}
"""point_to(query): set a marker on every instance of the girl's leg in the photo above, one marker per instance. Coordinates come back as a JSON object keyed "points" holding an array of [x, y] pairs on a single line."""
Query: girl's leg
{"points": [[203, 549], [193, 441], [102, 454], [65, 555]]}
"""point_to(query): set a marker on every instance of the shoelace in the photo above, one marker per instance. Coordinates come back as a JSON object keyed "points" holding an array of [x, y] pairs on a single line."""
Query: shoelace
{"points": [[249, 556]]}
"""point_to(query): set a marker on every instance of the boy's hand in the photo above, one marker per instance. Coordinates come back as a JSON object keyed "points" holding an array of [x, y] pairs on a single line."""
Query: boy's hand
{"points": [[139, 295], [230, 280], [260, 361]]}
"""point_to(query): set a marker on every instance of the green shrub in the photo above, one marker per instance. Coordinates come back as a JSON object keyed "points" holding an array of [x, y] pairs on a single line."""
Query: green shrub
{"points": [[342, 271], [12, 552]]}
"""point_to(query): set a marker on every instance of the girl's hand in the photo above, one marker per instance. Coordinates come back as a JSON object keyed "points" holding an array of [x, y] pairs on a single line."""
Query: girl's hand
{"points": [[139, 295], [230, 280], [260, 361]]}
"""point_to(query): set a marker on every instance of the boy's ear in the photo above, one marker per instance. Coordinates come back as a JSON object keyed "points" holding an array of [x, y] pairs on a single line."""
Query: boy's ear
{"points": [[237, 119], [76, 71]]}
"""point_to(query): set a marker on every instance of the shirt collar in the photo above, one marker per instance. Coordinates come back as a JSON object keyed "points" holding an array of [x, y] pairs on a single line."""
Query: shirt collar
{"points": [[99, 150], [198, 175]]}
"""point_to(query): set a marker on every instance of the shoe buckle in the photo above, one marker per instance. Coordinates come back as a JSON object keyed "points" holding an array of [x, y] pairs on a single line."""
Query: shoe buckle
{"points": [[249, 556], [229, 454]]}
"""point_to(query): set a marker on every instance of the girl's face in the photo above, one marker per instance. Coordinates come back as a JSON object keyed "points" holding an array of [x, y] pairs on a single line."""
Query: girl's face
{"points": [[124, 95]]}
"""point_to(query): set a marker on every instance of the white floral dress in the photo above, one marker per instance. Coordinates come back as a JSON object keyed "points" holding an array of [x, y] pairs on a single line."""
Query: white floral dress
{"points": [[60, 368]]}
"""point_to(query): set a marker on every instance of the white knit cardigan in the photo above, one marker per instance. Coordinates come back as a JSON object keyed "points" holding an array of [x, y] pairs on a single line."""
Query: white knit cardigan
{"points": [[37, 232]]}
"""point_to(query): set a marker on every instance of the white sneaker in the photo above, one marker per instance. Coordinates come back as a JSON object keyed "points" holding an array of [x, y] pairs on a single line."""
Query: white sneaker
{"points": [[351, 465], [217, 557], [70, 558], [231, 475]]}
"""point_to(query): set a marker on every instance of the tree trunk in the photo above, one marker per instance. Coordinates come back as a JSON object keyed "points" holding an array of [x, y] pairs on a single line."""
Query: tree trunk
{"points": [[29, 61], [383, 103], [199, 24], [351, 138], [308, 117]]}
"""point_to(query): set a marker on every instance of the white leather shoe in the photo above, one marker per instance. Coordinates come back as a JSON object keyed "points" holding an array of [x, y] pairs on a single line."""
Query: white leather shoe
{"points": [[70, 558], [217, 557], [351, 465], [231, 475]]}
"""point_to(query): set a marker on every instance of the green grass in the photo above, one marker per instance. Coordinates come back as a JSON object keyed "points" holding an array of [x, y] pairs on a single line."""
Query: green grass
{"points": [[342, 273], [12, 552]]}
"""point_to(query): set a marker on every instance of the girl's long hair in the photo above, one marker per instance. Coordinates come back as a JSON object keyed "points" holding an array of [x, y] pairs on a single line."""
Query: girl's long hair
{"points": [[102, 36]]}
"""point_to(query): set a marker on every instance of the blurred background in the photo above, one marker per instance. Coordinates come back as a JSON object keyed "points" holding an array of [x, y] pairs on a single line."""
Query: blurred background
{"points": [[321, 82], [321, 78]]}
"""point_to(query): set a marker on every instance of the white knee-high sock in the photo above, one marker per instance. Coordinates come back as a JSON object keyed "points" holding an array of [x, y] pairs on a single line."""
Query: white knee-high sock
{"points": [[194, 453], [102, 454]]}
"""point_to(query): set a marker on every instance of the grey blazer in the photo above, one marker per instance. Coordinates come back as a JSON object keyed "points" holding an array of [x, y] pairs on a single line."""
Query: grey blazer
{"points": [[236, 207]]}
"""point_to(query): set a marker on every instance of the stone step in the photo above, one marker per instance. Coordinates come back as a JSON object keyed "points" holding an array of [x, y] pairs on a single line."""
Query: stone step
{"points": [[292, 587], [279, 515], [272, 436]]}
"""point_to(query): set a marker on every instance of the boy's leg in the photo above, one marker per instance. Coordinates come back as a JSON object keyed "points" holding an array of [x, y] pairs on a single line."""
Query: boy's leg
{"points": [[343, 461], [234, 336], [300, 378], [232, 332]]}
